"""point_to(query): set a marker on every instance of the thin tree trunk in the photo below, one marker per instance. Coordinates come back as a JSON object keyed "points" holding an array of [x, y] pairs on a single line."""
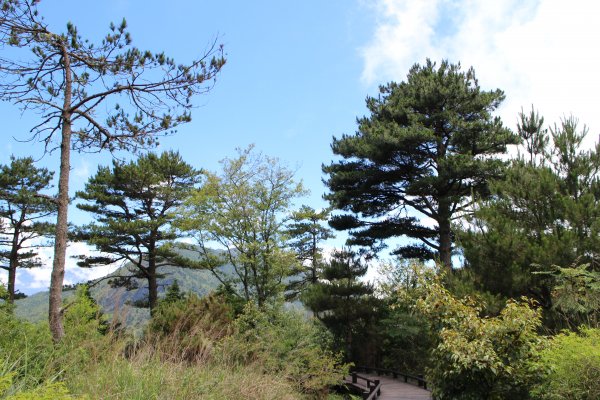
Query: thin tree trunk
{"points": [[60, 242], [12, 273], [13, 263], [152, 290]]}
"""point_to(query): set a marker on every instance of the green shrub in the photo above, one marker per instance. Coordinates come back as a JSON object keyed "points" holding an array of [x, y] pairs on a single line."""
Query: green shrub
{"points": [[285, 342], [187, 329], [46, 391], [479, 357], [572, 365]]}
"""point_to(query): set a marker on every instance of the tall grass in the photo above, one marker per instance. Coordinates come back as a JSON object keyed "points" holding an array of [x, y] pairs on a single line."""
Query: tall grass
{"points": [[192, 350]]}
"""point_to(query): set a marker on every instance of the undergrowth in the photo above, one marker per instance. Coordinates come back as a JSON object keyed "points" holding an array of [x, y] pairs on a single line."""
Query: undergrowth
{"points": [[193, 349]]}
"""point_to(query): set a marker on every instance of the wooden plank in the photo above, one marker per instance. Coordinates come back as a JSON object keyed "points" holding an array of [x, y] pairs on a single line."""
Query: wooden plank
{"points": [[392, 389]]}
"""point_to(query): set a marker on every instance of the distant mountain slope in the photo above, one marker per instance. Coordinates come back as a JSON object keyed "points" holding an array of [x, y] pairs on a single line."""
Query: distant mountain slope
{"points": [[118, 300]]}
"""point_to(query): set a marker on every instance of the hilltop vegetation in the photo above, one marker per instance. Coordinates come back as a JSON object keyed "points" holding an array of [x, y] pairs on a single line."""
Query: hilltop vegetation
{"points": [[491, 293]]}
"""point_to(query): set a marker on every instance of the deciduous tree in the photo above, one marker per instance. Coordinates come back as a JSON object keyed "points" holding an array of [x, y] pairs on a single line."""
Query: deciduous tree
{"points": [[242, 210], [92, 96]]}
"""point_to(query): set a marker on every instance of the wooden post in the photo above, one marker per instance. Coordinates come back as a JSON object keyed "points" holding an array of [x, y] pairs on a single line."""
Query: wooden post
{"points": [[420, 380], [377, 382], [354, 377], [395, 375], [366, 395]]}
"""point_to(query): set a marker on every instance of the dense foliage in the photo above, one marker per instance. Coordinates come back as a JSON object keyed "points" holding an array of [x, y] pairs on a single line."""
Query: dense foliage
{"points": [[545, 213], [478, 357], [572, 365], [135, 205], [24, 212], [425, 149], [242, 210]]}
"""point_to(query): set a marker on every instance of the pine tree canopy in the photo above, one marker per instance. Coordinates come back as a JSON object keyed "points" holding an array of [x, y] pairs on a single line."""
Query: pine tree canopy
{"points": [[135, 205], [425, 150]]}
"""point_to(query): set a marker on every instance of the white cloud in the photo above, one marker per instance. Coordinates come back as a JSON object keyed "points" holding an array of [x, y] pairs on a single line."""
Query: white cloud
{"points": [[82, 171], [543, 53], [37, 279]]}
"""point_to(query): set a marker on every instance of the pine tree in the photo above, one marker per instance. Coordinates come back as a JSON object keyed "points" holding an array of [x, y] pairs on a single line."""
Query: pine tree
{"points": [[342, 302], [92, 96], [306, 232], [425, 150], [545, 213], [24, 213], [135, 205]]}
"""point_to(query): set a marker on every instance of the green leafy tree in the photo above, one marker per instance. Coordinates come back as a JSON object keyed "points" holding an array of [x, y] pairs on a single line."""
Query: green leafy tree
{"points": [[425, 151], [135, 205], [343, 303], [24, 213], [576, 294], [242, 211], [476, 357], [92, 96], [307, 232], [404, 338]]}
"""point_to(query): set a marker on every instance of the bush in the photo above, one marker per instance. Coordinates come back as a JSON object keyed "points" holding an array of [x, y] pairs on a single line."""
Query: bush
{"points": [[481, 357], [46, 391], [287, 343], [572, 365], [188, 328]]}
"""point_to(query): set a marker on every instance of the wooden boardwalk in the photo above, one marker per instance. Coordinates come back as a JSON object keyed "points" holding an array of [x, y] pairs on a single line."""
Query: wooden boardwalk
{"points": [[394, 389]]}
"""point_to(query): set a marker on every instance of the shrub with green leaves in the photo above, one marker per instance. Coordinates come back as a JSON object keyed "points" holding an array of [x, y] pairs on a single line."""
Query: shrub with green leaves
{"points": [[285, 342], [478, 357], [572, 364], [46, 391]]}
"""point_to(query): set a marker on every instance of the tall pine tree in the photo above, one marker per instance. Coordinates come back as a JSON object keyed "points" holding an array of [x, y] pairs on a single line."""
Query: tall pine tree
{"points": [[425, 150], [134, 205], [24, 213], [545, 213]]}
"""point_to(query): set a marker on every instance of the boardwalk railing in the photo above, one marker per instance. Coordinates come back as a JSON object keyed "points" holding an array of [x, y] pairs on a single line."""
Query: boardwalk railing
{"points": [[407, 377], [373, 386]]}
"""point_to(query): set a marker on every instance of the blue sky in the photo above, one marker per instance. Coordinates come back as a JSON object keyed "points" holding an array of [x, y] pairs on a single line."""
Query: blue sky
{"points": [[298, 72]]}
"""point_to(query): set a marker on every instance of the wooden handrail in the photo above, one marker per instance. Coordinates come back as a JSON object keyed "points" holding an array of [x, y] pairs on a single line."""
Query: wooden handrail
{"points": [[421, 382], [373, 386]]}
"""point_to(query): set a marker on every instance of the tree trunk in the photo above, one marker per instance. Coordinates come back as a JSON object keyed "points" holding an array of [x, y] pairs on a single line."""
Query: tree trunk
{"points": [[445, 250], [12, 273], [152, 290], [13, 263], [60, 241]]}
